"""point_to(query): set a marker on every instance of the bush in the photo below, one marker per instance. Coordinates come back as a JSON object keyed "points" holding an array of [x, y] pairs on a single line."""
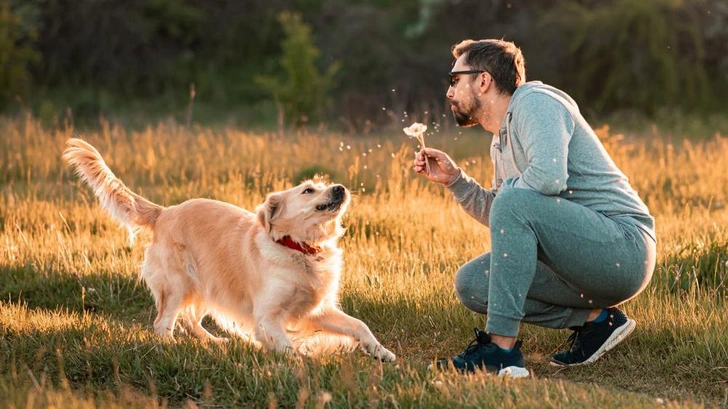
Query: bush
{"points": [[628, 54]]}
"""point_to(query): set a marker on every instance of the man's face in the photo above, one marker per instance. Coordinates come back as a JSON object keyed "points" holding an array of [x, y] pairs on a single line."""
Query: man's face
{"points": [[462, 93]]}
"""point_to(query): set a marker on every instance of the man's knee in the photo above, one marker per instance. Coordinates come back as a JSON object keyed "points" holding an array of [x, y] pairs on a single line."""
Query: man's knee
{"points": [[471, 284], [513, 202]]}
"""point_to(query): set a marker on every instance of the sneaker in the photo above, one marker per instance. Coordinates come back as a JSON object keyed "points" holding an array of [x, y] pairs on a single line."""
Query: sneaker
{"points": [[592, 340], [484, 355]]}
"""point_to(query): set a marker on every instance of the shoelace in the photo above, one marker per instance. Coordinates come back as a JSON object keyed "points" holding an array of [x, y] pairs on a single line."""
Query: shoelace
{"points": [[574, 339], [476, 343]]}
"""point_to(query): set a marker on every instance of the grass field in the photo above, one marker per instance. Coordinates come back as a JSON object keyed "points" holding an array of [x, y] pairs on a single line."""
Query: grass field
{"points": [[76, 324]]}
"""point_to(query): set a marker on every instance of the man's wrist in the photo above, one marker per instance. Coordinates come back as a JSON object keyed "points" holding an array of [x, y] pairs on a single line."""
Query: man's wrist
{"points": [[454, 179]]}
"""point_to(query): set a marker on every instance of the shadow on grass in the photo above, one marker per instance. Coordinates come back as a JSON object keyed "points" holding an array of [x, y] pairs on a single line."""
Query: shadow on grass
{"points": [[113, 294]]}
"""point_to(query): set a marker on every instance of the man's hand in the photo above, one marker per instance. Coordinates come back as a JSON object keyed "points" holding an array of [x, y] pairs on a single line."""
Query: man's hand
{"points": [[442, 168]]}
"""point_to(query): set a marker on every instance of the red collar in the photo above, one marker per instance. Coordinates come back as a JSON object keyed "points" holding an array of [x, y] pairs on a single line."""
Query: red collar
{"points": [[302, 247]]}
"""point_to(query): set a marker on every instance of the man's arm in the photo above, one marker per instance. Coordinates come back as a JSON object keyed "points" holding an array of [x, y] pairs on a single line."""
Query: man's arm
{"points": [[544, 127], [474, 199]]}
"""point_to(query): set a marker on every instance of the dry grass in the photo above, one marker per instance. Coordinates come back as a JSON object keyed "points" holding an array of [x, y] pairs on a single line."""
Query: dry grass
{"points": [[76, 325]]}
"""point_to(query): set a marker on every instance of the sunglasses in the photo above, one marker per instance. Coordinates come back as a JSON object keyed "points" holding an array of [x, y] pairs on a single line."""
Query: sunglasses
{"points": [[452, 75]]}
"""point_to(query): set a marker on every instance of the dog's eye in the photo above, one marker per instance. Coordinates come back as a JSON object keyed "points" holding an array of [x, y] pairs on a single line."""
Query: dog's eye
{"points": [[308, 191]]}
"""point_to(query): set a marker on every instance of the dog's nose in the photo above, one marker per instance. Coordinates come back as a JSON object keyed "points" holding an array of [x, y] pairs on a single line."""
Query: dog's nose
{"points": [[338, 189]]}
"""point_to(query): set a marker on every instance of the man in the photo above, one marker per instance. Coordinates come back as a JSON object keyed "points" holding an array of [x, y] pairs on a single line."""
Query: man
{"points": [[570, 238]]}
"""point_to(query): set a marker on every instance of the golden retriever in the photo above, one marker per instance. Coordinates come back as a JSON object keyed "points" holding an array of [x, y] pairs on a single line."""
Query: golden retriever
{"points": [[272, 274]]}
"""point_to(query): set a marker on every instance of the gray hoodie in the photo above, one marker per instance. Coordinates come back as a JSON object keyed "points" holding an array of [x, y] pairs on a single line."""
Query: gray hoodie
{"points": [[546, 145]]}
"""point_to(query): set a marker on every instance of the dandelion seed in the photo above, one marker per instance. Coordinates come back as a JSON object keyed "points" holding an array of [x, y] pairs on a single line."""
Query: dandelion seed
{"points": [[618, 265], [591, 302], [384, 109], [348, 147], [505, 255], [554, 159], [582, 295], [558, 200], [502, 231]]}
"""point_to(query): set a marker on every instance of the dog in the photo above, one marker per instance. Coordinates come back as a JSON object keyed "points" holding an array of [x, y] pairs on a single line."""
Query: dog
{"points": [[271, 275]]}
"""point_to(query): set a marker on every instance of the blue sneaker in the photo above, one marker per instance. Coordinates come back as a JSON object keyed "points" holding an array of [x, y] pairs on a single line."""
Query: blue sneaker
{"points": [[484, 355], [592, 340]]}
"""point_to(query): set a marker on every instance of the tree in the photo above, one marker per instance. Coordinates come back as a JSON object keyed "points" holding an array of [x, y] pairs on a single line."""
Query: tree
{"points": [[301, 90], [16, 54]]}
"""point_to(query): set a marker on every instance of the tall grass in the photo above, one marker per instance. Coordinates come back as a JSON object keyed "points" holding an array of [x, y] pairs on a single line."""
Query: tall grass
{"points": [[76, 323]]}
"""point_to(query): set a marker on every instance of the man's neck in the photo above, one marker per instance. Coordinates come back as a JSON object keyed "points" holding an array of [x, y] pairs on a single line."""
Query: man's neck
{"points": [[497, 106]]}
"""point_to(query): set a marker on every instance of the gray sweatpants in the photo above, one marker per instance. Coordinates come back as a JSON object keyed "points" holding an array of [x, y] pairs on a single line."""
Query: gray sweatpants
{"points": [[552, 261]]}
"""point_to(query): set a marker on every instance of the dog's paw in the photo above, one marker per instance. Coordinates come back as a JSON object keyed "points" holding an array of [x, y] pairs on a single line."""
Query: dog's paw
{"points": [[382, 353]]}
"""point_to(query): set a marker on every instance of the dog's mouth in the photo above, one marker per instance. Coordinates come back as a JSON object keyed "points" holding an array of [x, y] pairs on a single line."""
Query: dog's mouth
{"points": [[330, 206], [337, 198]]}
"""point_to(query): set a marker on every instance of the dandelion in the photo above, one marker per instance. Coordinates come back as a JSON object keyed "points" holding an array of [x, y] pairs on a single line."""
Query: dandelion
{"points": [[417, 130]]}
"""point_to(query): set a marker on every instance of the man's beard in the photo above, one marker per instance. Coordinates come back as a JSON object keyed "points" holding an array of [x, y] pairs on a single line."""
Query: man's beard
{"points": [[466, 118]]}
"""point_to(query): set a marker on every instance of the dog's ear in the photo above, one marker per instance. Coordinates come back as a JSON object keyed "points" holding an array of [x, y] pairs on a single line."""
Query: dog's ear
{"points": [[269, 210]]}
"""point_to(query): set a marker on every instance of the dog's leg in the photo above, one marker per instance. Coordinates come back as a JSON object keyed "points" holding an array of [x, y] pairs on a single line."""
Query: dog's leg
{"points": [[169, 305], [193, 324], [338, 322], [270, 331]]}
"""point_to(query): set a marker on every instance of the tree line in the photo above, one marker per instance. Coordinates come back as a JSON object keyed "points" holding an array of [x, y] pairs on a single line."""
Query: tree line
{"points": [[358, 64]]}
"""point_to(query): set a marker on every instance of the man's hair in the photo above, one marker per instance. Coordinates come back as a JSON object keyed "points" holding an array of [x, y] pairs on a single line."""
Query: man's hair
{"points": [[501, 59]]}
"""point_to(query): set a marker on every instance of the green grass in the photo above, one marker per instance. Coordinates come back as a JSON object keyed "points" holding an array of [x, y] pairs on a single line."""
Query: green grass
{"points": [[76, 323]]}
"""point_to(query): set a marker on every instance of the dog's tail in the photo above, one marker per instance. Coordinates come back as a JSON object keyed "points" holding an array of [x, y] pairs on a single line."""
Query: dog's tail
{"points": [[127, 207]]}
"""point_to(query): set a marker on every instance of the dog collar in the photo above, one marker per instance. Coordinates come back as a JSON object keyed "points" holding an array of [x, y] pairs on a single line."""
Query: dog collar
{"points": [[302, 247]]}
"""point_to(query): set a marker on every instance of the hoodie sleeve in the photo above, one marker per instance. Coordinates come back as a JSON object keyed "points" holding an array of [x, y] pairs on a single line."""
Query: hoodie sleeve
{"points": [[543, 126], [473, 198]]}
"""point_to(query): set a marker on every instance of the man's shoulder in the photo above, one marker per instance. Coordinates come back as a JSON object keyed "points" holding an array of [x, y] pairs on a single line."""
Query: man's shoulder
{"points": [[535, 94]]}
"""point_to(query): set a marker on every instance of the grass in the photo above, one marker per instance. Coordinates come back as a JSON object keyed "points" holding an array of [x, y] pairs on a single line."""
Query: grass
{"points": [[76, 323]]}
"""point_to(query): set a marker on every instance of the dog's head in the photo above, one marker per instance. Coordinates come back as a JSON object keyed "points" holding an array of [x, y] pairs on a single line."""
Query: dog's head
{"points": [[309, 213]]}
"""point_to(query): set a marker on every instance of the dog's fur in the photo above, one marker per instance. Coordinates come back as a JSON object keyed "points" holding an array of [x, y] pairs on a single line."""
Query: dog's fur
{"points": [[270, 274]]}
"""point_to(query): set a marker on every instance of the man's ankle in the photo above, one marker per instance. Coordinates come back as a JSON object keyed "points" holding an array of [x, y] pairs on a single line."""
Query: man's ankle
{"points": [[503, 342], [603, 314]]}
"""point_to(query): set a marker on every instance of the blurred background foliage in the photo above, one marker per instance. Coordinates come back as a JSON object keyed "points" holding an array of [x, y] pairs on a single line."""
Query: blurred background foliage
{"points": [[353, 65]]}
